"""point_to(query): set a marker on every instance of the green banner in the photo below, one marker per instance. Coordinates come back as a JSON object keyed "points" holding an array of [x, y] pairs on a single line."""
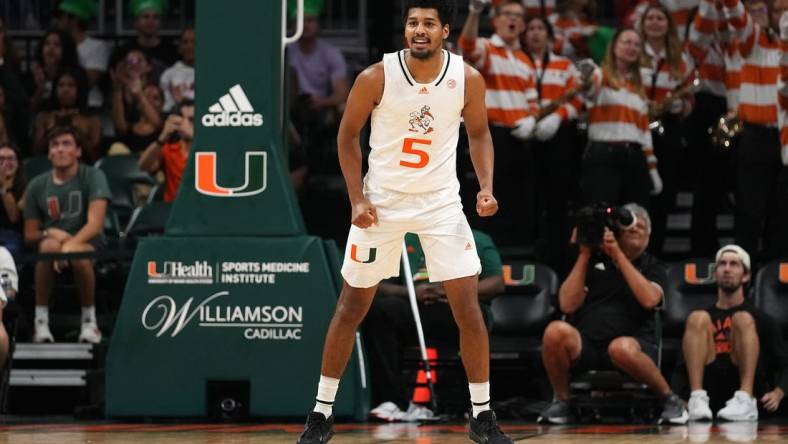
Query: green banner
{"points": [[203, 309], [235, 182]]}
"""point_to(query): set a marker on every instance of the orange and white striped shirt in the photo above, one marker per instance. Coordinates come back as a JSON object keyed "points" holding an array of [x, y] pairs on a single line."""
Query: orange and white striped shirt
{"points": [[760, 71], [511, 86], [783, 109], [706, 50], [571, 36], [619, 115], [534, 7], [680, 10], [733, 64], [659, 80], [556, 79]]}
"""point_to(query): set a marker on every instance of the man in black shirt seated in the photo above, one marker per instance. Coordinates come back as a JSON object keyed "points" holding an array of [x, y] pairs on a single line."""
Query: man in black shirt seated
{"points": [[732, 347], [609, 300]]}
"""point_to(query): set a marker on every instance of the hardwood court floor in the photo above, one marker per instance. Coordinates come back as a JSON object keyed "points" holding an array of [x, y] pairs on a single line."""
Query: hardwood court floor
{"points": [[113, 433]]}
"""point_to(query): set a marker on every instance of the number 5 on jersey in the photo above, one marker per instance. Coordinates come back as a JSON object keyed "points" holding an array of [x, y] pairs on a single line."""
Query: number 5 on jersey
{"points": [[407, 148]]}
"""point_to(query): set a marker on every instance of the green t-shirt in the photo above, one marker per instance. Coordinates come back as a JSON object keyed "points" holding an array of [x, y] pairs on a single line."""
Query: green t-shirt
{"points": [[65, 206], [488, 256]]}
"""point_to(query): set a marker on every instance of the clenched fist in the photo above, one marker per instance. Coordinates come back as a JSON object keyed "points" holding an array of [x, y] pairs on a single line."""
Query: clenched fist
{"points": [[486, 205]]}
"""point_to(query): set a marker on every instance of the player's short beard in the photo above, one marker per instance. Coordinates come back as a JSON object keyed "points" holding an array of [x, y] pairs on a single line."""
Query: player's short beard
{"points": [[422, 55]]}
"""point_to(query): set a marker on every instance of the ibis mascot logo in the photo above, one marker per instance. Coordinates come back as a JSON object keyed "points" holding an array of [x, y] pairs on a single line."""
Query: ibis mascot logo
{"points": [[255, 177]]}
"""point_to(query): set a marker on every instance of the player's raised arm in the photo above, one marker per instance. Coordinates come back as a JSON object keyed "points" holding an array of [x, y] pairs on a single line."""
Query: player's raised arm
{"points": [[364, 96], [479, 139]]}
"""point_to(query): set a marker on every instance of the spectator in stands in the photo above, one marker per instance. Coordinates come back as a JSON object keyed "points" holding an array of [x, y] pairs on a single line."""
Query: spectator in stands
{"points": [[554, 152], [609, 299], [323, 86], [141, 133], [680, 10], [64, 213], [56, 51], [511, 99], [16, 104], [177, 81], [170, 151], [9, 284], [67, 106], [668, 74], [574, 22], [758, 162], [732, 347], [147, 22], [131, 106], [73, 17], [533, 8], [389, 325], [710, 44], [12, 186], [619, 163]]}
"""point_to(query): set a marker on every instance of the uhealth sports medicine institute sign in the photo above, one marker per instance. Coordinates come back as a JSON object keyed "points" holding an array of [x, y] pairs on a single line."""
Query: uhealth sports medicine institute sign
{"points": [[235, 290]]}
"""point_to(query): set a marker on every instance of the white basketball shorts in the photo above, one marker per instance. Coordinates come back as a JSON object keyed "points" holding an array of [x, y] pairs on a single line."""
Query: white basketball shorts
{"points": [[375, 253]]}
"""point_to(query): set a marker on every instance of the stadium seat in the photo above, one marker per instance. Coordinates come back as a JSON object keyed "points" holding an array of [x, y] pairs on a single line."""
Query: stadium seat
{"points": [[148, 219], [691, 286], [124, 168], [123, 174], [522, 313], [611, 394], [771, 291], [36, 165]]}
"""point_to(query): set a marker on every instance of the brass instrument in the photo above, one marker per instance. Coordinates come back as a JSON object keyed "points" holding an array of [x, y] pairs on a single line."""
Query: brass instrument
{"points": [[727, 128], [658, 110]]}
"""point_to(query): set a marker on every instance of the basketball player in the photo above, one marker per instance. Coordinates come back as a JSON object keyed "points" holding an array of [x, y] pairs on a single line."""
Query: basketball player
{"points": [[416, 98]]}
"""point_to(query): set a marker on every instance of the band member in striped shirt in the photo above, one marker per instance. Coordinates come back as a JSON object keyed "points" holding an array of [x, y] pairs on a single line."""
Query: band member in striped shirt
{"points": [[535, 7], [619, 160], [668, 75], [680, 10], [712, 46], [554, 154], [511, 109], [573, 24], [758, 162]]}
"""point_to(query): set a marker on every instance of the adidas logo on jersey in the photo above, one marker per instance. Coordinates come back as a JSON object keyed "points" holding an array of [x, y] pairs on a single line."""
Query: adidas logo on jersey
{"points": [[232, 109], [424, 90]]}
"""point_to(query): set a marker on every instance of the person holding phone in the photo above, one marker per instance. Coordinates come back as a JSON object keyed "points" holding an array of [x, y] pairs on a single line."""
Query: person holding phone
{"points": [[170, 151]]}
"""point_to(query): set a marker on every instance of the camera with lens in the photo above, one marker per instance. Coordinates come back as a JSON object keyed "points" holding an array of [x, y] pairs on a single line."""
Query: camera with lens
{"points": [[591, 222]]}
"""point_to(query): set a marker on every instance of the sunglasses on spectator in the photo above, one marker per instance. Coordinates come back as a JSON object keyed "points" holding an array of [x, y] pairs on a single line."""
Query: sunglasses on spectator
{"points": [[7, 159]]}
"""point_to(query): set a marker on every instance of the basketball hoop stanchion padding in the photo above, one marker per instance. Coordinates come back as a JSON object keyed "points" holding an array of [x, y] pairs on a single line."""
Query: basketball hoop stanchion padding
{"points": [[235, 291]]}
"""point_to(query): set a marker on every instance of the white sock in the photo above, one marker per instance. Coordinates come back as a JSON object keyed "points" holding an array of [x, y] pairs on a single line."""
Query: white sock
{"points": [[480, 397], [42, 314], [89, 315], [326, 392], [698, 393]]}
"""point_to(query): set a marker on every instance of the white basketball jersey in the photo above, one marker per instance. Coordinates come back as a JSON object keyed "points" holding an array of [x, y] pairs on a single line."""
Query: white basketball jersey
{"points": [[415, 128]]}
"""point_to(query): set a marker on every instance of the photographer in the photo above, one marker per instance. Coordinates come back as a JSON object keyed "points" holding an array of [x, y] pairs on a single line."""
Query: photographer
{"points": [[170, 151], [609, 300]]}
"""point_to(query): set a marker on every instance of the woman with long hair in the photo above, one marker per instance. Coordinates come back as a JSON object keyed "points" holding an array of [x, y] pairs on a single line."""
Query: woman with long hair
{"points": [[668, 76], [56, 51], [67, 105], [619, 165], [12, 186]]}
